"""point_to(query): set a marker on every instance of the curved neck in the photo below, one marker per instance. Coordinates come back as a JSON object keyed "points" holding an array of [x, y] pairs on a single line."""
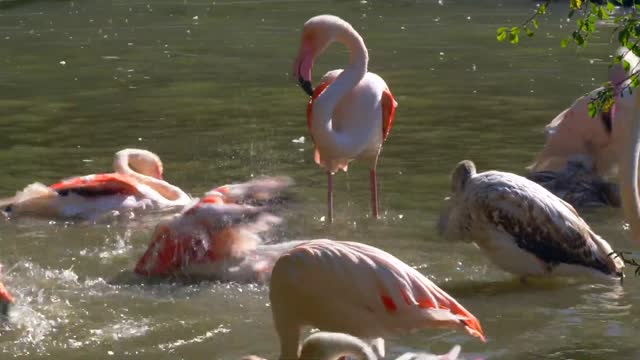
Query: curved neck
{"points": [[325, 104], [628, 173], [166, 190], [333, 346]]}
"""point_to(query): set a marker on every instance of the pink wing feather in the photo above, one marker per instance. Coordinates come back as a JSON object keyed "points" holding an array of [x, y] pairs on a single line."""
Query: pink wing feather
{"points": [[368, 291]]}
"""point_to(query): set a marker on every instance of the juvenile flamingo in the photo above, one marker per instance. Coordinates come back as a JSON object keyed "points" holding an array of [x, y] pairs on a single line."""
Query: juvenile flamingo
{"points": [[219, 235], [351, 112], [357, 289], [523, 228], [136, 184]]}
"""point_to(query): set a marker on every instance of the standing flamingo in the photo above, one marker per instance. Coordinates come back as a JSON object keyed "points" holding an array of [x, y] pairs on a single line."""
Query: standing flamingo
{"points": [[332, 346], [136, 184], [351, 112], [219, 236], [357, 289], [523, 228]]}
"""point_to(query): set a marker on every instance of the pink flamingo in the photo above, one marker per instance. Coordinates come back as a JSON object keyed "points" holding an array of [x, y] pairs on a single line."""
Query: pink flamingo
{"points": [[136, 184], [351, 112], [573, 134], [219, 235], [356, 289]]}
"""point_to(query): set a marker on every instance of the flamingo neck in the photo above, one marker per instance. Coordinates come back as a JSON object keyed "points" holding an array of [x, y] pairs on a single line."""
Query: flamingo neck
{"points": [[333, 346], [628, 173], [169, 192], [325, 104]]}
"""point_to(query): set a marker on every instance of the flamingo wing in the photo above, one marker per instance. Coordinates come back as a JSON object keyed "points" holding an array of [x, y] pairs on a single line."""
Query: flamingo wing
{"points": [[205, 232], [389, 105], [359, 289], [540, 223], [97, 185], [266, 189]]}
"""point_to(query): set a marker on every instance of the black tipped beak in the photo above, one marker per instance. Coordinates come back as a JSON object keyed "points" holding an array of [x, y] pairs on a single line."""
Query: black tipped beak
{"points": [[306, 86]]}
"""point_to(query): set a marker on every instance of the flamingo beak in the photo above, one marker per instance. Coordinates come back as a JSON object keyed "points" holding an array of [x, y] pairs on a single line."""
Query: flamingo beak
{"points": [[302, 68], [5, 301]]}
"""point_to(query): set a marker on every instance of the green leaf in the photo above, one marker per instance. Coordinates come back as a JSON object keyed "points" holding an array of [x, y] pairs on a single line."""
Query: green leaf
{"points": [[575, 4], [565, 42], [528, 31], [501, 34], [578, 38], [610, 6], [513, 35], [542, 9], [625, 65], [593, 109], [534, 22]]}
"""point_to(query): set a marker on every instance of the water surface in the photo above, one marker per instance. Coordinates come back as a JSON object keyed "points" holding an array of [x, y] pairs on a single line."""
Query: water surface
{"points": [[207, 86]]}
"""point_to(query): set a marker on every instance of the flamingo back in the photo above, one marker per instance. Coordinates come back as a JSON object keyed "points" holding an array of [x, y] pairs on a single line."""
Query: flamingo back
{"points": [[359, 289]]}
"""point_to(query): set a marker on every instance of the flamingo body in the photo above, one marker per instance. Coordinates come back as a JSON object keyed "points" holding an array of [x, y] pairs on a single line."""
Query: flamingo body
{"points": [[356, 289], [218, 238], [525, 229], [91, 196], [356, 119]]}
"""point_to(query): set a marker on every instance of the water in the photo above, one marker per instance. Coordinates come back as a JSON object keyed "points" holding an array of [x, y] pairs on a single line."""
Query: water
{"points": [[207, 85]]}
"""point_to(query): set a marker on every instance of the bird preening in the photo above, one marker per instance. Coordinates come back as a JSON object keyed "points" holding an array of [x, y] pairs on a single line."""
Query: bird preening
{"points": [[351, 111]]}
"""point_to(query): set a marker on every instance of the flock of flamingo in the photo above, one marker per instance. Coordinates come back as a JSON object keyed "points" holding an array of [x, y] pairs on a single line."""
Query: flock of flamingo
{"points": [[356, 294]]}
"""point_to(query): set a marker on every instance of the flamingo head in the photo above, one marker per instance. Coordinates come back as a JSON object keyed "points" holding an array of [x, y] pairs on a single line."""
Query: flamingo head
{"points": [[146, 163], [317, 33], [5, 301]]}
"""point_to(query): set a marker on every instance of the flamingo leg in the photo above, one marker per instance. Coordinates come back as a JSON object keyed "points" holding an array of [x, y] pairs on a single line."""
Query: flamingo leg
{"points": [[374, 193], [330, 197]]}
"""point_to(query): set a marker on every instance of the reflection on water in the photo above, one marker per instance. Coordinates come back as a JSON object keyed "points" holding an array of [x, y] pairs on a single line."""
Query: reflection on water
{"points": [[207, 86]]}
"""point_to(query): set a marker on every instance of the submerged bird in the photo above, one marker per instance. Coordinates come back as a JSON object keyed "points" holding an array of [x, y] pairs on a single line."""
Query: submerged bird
{"points": [[332, 346], [219, 235], [578, 184], [351, 112], [523, 228], [357, 289], [136, 183]]}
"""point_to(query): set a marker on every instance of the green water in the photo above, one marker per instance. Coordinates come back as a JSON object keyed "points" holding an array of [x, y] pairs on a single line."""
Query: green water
{"points": [[207, 86]]}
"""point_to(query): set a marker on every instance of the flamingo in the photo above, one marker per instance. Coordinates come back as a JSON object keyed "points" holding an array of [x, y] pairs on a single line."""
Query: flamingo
{"points": [[357, 289], [324, 345], [136, 183], [574, 132], [351, 112], [5, 300], [218, 236], [523, 228], [627, 117]]}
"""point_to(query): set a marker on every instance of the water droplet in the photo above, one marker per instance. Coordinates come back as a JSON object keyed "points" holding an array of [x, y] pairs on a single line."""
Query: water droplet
{"points": [[63, 62]]}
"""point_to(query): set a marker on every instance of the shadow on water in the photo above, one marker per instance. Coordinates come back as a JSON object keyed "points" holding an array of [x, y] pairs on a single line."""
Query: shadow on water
{"points": [[510, 286]]}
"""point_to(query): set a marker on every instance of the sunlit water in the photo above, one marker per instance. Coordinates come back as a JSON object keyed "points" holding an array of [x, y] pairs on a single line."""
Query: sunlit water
{"points": [[207, 85]]}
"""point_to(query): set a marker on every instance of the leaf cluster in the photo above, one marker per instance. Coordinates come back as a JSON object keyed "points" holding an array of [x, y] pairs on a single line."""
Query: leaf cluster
{"points": [[587, 14]]}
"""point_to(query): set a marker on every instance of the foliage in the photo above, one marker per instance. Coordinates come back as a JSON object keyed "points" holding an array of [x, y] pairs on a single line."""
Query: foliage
{"points": [[587, 13]]}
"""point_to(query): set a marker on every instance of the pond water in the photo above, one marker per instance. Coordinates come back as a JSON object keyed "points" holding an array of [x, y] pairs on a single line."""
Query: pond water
{"points": [[207, 86]]}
